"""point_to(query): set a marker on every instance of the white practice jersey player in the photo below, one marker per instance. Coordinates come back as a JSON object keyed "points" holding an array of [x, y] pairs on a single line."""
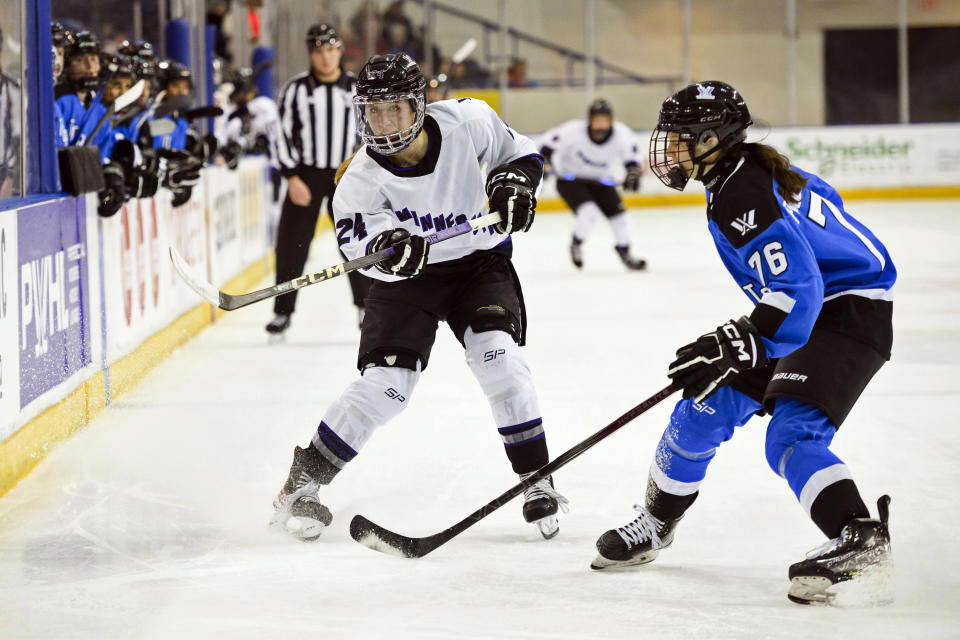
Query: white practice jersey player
{"points": [[577, 156], [444, 189]]}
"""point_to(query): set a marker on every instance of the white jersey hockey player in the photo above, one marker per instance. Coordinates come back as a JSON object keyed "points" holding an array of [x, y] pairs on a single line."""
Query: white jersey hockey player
{"points": [[422, 169], [586, 157]]}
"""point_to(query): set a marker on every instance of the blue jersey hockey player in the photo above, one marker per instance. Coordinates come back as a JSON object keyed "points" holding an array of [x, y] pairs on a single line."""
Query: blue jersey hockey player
{"points": [[820, 329]]}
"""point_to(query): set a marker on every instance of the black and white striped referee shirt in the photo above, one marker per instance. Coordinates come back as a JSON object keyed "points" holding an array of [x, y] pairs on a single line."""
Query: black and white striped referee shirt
{"points": [[316, 121]]}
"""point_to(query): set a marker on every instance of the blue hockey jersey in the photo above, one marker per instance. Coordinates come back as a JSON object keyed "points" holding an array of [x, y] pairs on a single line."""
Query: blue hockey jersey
{"points": [[80, 120], [790, 257]]}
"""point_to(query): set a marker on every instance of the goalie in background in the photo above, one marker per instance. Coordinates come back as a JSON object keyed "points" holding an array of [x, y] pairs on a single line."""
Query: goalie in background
{"points": [[820, 329], [419, 171], [585, 156]]}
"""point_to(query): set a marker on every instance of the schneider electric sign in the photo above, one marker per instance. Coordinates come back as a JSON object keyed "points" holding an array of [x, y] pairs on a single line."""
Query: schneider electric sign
{"points": [[887, 156]]}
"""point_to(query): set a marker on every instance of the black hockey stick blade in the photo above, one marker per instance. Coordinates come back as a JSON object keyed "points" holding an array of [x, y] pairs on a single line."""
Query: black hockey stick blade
{"points": [[373, 536], [172, 105], [205, 111], [229, 302]]}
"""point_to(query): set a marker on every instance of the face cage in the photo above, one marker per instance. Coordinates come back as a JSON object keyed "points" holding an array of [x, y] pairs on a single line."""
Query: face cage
{"points": [[669, 171], [391, 143]]}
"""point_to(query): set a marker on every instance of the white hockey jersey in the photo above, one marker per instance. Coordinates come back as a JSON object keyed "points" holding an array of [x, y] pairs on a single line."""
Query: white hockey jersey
{"points": [[467, 139], [576, 155], [262, 118]]}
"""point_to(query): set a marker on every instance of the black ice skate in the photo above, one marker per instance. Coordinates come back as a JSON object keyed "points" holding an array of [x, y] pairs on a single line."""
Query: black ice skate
{"points": [[278, 326], [298, 507], [541, 502], [634, 264], [637, 542], [863, 549], [576, 254]]}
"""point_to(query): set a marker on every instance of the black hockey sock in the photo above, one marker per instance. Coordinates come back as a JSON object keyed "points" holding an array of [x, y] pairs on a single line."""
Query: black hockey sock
{"points": [[528, 456], [317, 465], [836, 505], [666, 506]]}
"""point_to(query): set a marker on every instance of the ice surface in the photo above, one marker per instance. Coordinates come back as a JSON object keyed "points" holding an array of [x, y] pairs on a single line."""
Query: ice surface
{"points": [[152, 522]]}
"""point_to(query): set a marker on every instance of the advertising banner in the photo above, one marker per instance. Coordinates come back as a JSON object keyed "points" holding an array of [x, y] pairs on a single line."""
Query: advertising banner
{"points": [[253, 186], [9, 324], [53, 287], [223, 207]]}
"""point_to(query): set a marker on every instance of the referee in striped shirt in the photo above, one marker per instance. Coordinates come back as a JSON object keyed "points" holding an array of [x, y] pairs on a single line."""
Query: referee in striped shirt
{"points": [[318, 133]]}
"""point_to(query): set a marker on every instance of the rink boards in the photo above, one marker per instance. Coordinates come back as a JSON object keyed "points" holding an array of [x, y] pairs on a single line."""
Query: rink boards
{"points": [[88, 305]]}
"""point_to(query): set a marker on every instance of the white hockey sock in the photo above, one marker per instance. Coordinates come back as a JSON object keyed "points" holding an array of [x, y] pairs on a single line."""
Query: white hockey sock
{"points": [[378, 396], [620, 224], [504, 376], [587, 215]]}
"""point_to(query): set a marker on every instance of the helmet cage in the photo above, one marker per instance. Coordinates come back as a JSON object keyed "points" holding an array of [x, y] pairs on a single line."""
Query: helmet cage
{"points": [[390, 143]]}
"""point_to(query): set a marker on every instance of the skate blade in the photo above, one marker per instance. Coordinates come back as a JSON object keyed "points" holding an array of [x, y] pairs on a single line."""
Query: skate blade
{"points": [[549, 527], [810, 590], [600, 563], [276, 338]]}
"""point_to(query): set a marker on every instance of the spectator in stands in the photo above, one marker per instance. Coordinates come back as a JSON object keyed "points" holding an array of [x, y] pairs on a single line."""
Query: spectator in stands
{"points": [[363, 21], [517, 74]]}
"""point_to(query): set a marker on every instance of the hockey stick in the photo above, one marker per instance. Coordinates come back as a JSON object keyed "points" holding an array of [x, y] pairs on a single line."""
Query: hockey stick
{"points": [[230, 302], [124, 100], [375, 537]]}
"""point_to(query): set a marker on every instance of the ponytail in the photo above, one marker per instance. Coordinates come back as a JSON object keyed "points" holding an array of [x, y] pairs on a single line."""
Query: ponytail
{"points": [[789, 182]]}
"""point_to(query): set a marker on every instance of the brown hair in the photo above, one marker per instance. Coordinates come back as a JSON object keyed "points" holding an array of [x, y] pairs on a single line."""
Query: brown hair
{"points": [[790, 182]]}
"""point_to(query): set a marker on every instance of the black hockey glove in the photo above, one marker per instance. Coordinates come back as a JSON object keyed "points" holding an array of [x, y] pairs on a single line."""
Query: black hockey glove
{"points": [[181, 196], [182, 174], [510, 193], [632, 181], [231, 153], [139, 168], [114, 193], [261, 145], [702, 366], [410, 252]]}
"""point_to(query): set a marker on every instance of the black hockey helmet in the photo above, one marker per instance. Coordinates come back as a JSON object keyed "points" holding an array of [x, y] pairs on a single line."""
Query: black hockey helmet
{"points": [[80, 43], [243, 84], [600, 106], [394, 77], [321, 34], [138, 49], [171, 70], [689, 117], [117, 66], [58, 34]]}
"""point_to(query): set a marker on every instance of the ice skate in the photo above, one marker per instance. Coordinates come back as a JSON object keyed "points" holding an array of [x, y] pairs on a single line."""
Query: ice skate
{"points": [[541, 502], [634, 264], [576, 254], [277, 328], [297, 507], [861, 553], [637, 542]]}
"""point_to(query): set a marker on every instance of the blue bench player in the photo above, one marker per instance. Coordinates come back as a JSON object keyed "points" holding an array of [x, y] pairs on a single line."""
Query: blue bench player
{"points": [[820, 329]]}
